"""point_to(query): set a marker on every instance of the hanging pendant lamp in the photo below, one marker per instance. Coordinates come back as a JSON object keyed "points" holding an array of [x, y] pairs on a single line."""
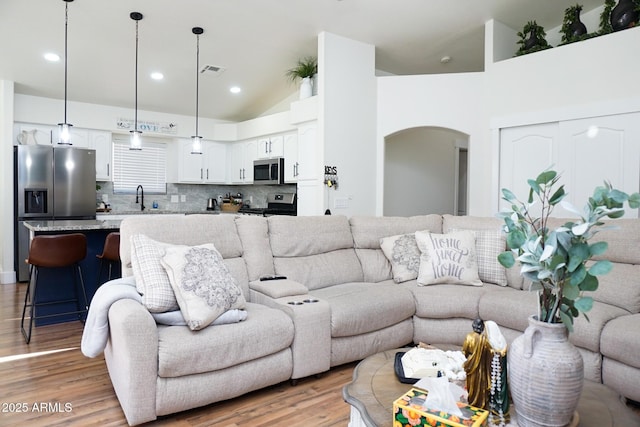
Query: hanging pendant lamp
{"points": [[64, 129], [135, 142], [196, 140]]}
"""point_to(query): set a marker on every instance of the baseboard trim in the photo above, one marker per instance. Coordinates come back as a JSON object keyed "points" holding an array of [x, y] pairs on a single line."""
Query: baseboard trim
{"points": [[7, 277]]}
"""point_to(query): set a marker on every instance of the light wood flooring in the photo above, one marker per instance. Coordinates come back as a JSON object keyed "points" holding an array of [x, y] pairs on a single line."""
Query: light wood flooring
{"points": [[49, 383]]}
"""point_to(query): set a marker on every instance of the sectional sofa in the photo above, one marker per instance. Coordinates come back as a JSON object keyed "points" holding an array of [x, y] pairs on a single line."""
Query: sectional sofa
{"points": [[345, 297]]}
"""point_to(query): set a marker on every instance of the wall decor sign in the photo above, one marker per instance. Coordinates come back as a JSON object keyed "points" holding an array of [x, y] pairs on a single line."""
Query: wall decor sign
{"points": [[148, 126], [331, 176]]}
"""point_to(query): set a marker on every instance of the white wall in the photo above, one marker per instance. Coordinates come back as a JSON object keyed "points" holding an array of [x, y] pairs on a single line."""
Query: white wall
{"points": [[420, 172], [347, 120], [585, 79], [452, 101], [7, 274]]}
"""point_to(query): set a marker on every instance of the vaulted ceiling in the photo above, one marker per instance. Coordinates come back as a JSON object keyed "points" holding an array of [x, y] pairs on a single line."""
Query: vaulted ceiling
{"points": [[254, 41]]}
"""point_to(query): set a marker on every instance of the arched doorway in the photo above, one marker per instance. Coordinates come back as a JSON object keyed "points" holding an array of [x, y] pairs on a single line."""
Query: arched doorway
{"points": [[425, 171]]}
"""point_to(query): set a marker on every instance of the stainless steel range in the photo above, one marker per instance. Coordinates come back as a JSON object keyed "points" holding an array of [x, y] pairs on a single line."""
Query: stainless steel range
{"points": [[277, 204]]}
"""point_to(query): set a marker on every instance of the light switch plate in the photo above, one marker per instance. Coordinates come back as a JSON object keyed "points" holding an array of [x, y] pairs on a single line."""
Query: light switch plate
{"points": [[174, 198]]}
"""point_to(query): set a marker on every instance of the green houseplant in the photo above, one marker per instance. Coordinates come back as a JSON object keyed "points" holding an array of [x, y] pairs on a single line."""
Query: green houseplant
{"points": [[556, 261], [305, 67]]}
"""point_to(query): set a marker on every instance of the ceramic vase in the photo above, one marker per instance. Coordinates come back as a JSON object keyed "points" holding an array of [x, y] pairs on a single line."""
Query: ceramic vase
{"points": [[305, 88], [545, 375], [624, 15], [577, 27]]}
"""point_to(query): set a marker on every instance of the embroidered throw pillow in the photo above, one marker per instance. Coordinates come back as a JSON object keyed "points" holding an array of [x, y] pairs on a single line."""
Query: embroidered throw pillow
{"points": [[202, 284], [447, 258], [152, 281], [403, 255]]}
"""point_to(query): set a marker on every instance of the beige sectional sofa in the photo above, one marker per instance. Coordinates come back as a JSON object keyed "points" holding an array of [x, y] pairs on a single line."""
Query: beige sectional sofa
{"points": [[338, 304]]}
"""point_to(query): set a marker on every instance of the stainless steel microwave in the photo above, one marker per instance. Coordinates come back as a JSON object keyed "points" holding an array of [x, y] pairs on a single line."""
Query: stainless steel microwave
{"points": [[268, 171]]}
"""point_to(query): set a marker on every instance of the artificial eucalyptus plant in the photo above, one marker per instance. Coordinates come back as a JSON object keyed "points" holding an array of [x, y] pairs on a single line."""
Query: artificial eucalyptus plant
{"points": [[557, 262]]}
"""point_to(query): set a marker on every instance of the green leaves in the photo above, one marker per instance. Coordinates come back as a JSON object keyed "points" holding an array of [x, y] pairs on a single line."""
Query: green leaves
{"points": [[558, 262]]}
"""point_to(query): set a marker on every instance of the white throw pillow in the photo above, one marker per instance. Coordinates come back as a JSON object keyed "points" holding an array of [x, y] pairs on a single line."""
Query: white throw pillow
{"points": [[152, 281], [489, 244], [447, 258], [403, 255], [202, 284]]}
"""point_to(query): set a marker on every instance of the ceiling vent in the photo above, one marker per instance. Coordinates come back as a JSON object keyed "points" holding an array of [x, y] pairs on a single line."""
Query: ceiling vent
{"points": [[211, 70]]}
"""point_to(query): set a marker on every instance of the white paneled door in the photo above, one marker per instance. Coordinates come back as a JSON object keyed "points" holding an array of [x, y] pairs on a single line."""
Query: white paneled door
{"points": [[585, 151]]}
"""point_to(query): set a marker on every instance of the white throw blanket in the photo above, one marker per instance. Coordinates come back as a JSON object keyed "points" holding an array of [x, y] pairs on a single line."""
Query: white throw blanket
{"points": [[96, 328]]}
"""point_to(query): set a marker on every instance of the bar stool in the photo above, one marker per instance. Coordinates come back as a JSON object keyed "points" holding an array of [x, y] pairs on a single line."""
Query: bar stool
{"points": [[110, 254], [55, 251]]}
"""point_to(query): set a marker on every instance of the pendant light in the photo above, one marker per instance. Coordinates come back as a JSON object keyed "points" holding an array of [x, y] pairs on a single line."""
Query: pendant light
{"points": [[196, 140], [64, 129], [135, 142]]}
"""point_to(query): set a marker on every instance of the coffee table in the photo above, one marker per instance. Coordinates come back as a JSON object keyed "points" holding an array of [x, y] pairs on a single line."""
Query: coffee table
{"points": [[375, 387]]}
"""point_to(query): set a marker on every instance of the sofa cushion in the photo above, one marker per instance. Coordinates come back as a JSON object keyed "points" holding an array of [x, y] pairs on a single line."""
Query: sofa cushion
{"points": [[319, 271], [202, 284], [254, 234], [620, 287], [444, 301], [375, 265], [152, 281], [620, 340], [184, 352], [298, 236], [368, 230], [358, 308], [403, 254], [447, 258]]}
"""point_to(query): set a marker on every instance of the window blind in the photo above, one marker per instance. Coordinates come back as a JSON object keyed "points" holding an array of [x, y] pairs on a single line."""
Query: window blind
{"points": [[146, 167]]}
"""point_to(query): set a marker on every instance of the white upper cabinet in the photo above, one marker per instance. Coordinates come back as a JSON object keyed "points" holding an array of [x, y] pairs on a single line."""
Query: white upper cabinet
{"points": [[101, 142], [242, 155], [272, 146], [290, 152], [190, 168], [308, 167]]}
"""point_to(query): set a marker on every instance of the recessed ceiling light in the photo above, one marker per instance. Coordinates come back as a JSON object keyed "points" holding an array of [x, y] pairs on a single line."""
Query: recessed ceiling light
{"points": [[235, 89], [157, 76], [52, 57]]}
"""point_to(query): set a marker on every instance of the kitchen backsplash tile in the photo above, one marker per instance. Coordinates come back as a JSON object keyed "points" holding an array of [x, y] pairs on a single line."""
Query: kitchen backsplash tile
{"points": [[196, 196]]}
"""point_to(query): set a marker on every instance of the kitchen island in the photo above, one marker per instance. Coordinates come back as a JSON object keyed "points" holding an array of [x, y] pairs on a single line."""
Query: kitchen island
{"points": [[57, 284]]}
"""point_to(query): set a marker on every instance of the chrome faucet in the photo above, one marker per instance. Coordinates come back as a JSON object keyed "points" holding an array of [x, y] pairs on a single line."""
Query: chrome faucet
{"points": [[141, 197]]}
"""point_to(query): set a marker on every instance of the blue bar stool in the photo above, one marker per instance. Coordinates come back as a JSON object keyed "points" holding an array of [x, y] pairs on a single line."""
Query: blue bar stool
{"points": [[110, 254], [56, 251]]}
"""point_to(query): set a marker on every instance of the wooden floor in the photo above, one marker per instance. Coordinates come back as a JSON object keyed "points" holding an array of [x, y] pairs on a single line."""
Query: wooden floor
{"points": [[49, 382]]}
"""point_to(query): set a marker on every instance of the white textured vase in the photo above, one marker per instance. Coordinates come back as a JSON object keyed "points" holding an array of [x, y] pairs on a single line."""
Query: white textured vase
{"points": [[545, 375], [305, 88]]}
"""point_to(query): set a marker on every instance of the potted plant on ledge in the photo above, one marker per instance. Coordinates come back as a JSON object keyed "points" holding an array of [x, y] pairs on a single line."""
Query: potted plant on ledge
{"points": [[305, 70], [545, 369]]}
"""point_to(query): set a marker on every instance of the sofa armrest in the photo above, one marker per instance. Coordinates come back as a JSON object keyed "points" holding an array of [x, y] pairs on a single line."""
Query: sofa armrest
{"points": [[278, 288], [131, 355]]}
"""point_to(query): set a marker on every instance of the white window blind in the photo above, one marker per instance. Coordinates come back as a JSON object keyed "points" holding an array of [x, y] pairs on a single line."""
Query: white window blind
{"points": [[146, 167]]}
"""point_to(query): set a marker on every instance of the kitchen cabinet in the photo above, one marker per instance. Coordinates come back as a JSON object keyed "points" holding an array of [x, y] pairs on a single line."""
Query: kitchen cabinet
{"points": [[308, 166], [189, 168], [271, 146], [29, 133], [241, 158], [290, 152], [101, 142]]}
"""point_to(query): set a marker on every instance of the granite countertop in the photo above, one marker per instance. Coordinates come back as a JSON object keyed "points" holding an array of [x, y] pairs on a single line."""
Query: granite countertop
{"points": [[156, 212], [73, 225]]}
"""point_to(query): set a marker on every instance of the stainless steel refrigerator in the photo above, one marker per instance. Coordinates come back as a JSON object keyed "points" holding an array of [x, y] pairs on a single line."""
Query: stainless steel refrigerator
{"points": [[50, 183]]}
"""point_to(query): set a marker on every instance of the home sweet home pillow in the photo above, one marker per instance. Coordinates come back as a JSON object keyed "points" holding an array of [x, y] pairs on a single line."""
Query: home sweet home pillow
{"points": [[403, 255], [202, 284], [447, 258]]}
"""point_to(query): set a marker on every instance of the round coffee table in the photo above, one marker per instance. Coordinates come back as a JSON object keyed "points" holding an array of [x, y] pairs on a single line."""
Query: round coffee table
{"points": [[375, 387]]}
